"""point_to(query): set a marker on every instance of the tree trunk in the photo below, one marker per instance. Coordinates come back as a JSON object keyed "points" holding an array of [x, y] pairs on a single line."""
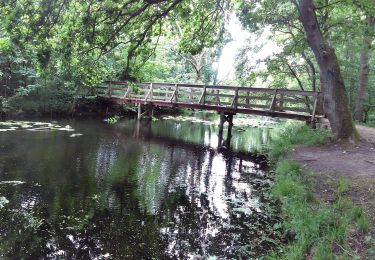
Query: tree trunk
{"points": [[364, 71], [312, 71], [332, 85], [350, 73]]}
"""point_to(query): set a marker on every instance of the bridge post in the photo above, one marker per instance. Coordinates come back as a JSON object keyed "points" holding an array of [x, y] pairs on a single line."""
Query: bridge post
{"points": [[148, 111], [230, 126], [221, 128], [139, 111]]}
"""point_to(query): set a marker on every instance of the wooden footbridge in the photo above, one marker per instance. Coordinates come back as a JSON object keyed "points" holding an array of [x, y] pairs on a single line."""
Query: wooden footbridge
{"points": [[227, 100]]}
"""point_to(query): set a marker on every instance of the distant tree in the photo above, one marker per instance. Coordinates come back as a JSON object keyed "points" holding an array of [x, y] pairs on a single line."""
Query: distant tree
{"points": [[365, 66]]}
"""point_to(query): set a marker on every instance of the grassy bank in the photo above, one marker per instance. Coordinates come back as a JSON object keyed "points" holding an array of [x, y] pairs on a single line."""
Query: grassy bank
{"points": [[312, 228]]}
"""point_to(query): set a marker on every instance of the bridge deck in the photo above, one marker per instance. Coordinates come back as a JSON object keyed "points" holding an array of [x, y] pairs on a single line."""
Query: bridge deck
{"points": [[293, 104]]}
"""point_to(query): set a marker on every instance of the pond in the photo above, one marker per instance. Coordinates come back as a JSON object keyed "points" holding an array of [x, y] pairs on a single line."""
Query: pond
{"points": [[134, 190]]}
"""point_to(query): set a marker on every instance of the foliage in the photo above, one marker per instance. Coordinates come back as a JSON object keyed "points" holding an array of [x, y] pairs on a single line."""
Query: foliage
{"points": [[76, 45], [43, 100]]}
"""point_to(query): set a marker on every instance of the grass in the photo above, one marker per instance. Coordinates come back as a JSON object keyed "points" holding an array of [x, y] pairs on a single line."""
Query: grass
{"points": [[318, 225], [343, 185], [361, 219], [291, 136]]}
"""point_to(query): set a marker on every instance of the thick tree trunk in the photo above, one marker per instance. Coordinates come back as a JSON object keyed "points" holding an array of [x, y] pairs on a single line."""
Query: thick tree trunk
{"points": [[364, 71], [335, 100]]}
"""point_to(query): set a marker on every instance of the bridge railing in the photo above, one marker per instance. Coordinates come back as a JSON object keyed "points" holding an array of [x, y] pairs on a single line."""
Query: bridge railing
{"points": [[231, 97]]}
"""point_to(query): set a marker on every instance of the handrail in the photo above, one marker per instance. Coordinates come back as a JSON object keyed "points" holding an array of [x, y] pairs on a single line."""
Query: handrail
{"points": [[273, 102], [221, 87]]}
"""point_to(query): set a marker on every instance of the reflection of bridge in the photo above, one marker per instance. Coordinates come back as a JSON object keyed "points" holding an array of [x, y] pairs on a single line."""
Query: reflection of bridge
{"points": [[145, 134], [227, 100]]}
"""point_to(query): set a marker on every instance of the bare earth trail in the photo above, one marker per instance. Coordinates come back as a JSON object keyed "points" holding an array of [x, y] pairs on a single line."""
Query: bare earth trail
{"points": [[356, 162]]}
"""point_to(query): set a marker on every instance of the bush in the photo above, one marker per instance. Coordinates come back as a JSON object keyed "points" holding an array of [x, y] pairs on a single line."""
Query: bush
{"points": [[4, 105], [40, 99]]}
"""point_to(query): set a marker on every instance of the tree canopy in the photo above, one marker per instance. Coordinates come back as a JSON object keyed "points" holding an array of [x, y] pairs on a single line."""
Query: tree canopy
{"points": [[68, 45]]}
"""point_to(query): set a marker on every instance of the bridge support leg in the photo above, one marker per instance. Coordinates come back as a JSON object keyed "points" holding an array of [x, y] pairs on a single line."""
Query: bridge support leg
{"points": [[225, 117], [148, 111], [139, 111]]}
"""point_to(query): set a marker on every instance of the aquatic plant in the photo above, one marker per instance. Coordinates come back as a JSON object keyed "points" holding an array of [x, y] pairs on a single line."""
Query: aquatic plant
{"points": [[112, 120]]}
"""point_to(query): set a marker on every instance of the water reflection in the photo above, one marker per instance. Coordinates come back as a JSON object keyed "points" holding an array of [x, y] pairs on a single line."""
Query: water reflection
{"points": [[151, 190]]}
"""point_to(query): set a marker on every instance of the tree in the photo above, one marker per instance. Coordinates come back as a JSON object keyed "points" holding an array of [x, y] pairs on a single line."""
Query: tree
{"points": [[364, 68], [336, 104]]}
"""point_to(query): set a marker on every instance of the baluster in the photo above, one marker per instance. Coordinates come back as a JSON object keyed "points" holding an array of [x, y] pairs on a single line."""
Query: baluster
{"points": [[202, 100], [273, 103]]}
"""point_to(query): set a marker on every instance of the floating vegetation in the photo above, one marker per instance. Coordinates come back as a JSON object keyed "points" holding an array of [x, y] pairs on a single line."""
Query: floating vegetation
{"points": [[112, 120], [253, 121], [189, 119], [75, 135], [32, 126], [239, 121], [3, 202], [14, 183]]}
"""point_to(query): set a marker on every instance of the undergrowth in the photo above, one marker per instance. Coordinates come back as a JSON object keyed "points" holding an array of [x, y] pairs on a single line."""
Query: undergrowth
{"points": [[292, 135], [319, 230]]}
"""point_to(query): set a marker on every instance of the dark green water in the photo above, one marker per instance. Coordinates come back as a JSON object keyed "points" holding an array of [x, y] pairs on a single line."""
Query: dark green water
{"points": [[149, 190]]}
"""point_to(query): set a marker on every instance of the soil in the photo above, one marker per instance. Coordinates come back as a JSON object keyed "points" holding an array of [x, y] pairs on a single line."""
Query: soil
{"points": [[356, 162]]}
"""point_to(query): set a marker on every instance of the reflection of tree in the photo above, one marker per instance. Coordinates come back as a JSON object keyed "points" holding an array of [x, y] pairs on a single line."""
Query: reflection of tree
{"points": [[132, 198], [199, 215]]}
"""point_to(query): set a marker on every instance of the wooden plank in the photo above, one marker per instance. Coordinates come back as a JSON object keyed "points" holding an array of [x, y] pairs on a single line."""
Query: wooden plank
{"points": [[137, 96], [314, 111], [297, 109], [181, 93], [158, 84], [182, 100], [158, 91], [219, 95], [235, 99], [273, 103], [159, 98], [297, 101], [128, 91], [218, 102], [256, 98], [203, 97], [252, 106]]}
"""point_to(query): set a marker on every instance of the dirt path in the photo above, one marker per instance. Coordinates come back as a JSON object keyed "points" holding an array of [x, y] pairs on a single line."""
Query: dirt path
{"points": [[356, 162]]}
